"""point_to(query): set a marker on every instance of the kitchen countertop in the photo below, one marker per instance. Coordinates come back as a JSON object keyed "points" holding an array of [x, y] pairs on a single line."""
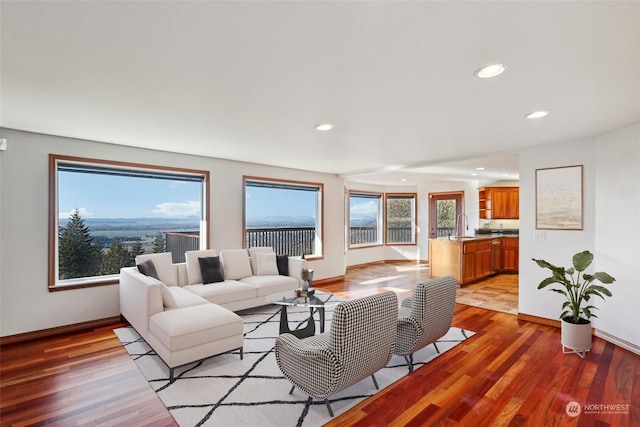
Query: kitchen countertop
{"points": [[478, 237]]}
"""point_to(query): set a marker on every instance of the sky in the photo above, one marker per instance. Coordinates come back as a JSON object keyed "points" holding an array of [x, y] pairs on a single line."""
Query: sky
{"points": [[362, 207], [109, 196], [268, 202]]}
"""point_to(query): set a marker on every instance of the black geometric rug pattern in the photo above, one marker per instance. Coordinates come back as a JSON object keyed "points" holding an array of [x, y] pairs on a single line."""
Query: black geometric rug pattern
{"points": [[226, 391]]}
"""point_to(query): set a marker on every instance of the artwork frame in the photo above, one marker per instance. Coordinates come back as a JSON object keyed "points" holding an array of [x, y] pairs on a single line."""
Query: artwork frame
{"points": [[559, 198]]}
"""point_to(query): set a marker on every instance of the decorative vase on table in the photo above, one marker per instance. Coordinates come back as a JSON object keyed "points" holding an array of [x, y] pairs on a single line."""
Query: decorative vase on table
{"points": [[304, 276]]}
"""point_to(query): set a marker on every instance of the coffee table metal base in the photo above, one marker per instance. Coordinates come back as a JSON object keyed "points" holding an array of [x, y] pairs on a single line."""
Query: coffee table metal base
{"points": [[309, 330]]}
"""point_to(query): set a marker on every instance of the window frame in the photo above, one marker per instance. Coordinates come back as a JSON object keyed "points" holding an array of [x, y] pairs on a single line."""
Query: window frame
{"points": [[414, 222], [319, 236], [58, 159], [379, 217]]}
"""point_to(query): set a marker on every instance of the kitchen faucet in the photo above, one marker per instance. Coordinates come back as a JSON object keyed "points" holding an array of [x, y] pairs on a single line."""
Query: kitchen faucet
{"points": [[464, 216]]}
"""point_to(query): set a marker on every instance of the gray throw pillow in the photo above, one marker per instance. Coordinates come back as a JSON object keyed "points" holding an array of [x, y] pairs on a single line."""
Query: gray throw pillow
{"points": [[148, 269], [283, 264], [210, 270]]}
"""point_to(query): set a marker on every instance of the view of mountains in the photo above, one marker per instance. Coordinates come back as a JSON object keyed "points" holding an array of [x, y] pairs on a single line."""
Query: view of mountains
{"points": [[193, 223], [281, 221], [106, 224]]}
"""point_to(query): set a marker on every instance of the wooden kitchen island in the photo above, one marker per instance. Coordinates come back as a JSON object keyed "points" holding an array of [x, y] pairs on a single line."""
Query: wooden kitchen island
{"points": [[468, 259]]}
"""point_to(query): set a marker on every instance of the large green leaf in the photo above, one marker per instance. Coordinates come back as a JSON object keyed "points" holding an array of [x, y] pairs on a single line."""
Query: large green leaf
{"points": [[597, 290], [604, 277], [582, 260], [550, 280]]}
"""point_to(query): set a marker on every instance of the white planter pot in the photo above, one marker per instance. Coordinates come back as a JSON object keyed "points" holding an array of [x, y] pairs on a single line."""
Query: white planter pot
{"points": [[576, 338]]}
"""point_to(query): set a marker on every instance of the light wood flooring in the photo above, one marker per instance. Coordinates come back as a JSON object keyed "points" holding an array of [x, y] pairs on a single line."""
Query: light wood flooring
{"points": [[498, 292], [510, 372]]}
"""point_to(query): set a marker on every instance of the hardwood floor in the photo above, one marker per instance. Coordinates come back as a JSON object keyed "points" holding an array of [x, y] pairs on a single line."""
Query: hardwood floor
{"points": [[510, 373]]}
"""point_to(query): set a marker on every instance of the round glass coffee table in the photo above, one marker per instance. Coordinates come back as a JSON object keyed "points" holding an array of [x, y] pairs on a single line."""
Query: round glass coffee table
{"points": [[316, 303]]}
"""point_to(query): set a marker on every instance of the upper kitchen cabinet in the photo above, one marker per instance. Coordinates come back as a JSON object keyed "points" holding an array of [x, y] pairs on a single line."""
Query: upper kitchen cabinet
{"points": [[499, 202]]}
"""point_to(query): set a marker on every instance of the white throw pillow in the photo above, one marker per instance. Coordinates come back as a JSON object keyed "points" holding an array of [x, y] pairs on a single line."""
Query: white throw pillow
{"points": [[252, 256], [193, 265], [266, 264], [235, 264], [167, 297], [163, 263]]}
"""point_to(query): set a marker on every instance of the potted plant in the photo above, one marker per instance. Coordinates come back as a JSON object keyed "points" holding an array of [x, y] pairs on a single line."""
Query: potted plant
{"points": [[305, 276], [577, 287]]}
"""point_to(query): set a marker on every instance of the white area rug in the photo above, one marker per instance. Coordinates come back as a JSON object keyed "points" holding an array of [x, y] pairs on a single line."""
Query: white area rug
{"points": [[226, 391]]}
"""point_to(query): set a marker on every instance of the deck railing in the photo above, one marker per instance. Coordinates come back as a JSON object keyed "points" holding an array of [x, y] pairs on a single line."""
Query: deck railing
{"points": [[400, 234], [284, 240], [181, 241]]}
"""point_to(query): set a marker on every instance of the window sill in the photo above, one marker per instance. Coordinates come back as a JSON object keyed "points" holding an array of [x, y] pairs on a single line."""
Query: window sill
{"points": [[70, 285]]}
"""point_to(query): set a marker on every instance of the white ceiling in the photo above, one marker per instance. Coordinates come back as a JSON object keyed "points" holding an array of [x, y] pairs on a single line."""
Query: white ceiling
{"points": [[249, 80]]}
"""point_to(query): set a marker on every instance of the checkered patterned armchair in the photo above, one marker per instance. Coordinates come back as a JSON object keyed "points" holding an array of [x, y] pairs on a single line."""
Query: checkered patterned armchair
{"points": [[359, 343], [425, 317]]}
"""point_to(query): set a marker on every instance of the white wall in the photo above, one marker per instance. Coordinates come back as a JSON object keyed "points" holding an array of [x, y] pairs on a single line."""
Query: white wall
{"points": [[559, 245], [617, 239], [611, 231], [25, 301]]}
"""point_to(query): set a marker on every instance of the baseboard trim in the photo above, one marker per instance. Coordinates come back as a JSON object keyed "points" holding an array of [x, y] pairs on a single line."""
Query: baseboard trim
{"points": [[541, 320], [633, 348], [43, 333], [327, 281]]}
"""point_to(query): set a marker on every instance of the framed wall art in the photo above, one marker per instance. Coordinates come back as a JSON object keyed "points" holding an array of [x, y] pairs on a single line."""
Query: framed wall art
{"points": [[559, 198]]}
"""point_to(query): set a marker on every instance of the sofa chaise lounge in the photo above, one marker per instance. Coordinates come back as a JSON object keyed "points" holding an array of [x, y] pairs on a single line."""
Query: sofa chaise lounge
{"points": [[184, 319]]}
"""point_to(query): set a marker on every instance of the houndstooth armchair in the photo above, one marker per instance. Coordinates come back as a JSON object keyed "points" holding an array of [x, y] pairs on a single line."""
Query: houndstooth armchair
{"points": [[359, 343], [425, 317]]}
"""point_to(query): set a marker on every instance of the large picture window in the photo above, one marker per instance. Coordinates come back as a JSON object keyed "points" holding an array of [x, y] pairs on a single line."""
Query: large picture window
{"points": [[103, 214], [365, 219], [400, 218], [286, 215]]}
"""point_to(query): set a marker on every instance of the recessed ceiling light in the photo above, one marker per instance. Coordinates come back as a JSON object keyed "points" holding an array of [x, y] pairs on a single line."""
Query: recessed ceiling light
{"points": [[404, 180], [536, 114], [474, 173], [490, 71], [480, 168], [323, 127]]}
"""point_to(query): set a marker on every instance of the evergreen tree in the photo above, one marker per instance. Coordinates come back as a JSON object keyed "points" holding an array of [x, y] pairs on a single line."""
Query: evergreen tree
{"points": [[446, 214], [78, 256], [399, 212], [116, 257], [136, 249], [158, 243]]}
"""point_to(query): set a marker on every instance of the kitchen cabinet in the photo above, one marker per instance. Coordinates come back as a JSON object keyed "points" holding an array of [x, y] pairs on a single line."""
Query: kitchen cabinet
{"points": [[499, 202], [473, 258], [484, 201], [477, 260], [496, 255], [510, 254], [465, 260]]}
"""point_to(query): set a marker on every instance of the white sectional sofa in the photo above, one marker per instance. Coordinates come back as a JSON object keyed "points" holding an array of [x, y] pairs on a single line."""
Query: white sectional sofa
{"points": [[184, 319]]}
